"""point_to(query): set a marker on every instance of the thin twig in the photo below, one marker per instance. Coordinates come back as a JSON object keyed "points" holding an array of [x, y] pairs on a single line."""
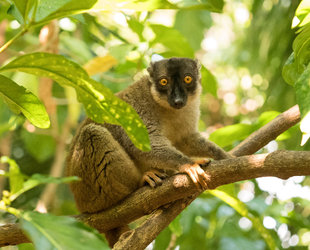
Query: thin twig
{"points": [[8, 43]]}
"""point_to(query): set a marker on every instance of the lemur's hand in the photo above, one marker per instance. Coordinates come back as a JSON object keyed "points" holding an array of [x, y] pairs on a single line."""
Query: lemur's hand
{"points": [[197, 174], [153, 178]]}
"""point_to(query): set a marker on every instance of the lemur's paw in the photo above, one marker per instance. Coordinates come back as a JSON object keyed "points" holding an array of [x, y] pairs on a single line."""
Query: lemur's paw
{"points": [[197, 174], [153, 178]]}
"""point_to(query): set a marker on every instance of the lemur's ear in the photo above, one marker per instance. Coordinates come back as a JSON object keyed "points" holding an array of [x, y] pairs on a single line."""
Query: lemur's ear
{"points": [[150, 69], [197, 64]]}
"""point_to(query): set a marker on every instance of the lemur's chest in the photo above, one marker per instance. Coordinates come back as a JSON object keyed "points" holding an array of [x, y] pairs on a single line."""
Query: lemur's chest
{"points": [[181, 123]]}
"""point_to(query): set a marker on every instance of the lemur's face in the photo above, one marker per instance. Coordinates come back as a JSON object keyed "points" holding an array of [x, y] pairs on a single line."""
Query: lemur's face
{"points": [[174, 80]]}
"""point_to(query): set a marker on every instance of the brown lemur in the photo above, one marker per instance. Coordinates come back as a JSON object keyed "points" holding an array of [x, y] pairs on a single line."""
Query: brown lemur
{"points": [[111, 167]]}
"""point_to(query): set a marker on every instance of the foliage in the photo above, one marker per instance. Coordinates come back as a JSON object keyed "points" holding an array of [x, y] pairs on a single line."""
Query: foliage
{"points": [[296, 71], [100, 103], [113, 46]]}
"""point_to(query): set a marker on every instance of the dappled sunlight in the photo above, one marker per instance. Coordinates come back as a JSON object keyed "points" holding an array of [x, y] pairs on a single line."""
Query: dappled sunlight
{"points": [[284, 189]]}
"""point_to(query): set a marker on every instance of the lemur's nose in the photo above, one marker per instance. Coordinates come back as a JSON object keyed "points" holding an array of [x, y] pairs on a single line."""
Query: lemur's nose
{"points": [[178, 103]]}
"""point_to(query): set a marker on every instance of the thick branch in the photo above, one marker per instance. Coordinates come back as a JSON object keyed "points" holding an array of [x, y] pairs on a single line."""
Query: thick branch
{"points": [[267, 133], [157, 222], [11, 234], [282, 164]]}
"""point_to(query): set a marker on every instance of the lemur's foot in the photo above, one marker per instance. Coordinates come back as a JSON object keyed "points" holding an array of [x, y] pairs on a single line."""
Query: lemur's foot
{"points": [[197, 174], [153, 178]]}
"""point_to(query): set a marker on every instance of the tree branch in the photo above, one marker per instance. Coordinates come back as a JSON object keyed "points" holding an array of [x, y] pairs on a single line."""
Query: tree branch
{"points": [[11, 234], [267, 133], [178, 188], [282, 164]]}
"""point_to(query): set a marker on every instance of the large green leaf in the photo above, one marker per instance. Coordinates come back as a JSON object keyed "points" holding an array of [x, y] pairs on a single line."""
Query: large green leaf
{"points": [[244, 211], [208, 81], [211, 5], [290, 71], [228, 135], [59, 232], [46, 7], [303, 12], [266, 117], [305, 128], [149, 5], [175, 43], [38, 179], [100, 103], [22, 100], [301, 47], [200, 19], [47, 11], [302, 88]]}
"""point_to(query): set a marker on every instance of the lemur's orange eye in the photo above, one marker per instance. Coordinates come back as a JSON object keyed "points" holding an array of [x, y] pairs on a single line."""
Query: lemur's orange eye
{"points": [[163, 81], [188, 79]]}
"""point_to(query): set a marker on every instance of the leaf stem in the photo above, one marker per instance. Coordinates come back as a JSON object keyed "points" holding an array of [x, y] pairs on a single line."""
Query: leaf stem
{"points": [[8, 43]]}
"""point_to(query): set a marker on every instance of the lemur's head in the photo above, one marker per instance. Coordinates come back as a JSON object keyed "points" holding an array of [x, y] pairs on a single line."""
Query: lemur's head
{"points": [[174, 81]]}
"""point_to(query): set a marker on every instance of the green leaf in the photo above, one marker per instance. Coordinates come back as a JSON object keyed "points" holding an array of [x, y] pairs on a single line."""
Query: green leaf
{"points": [[46, 142], [303, 12], [301, 47], [266, 117], [211, 5], [208, 81], [290, 71], [162, 240], [62, 8], [47, 7], [16, 178], [175, 43], [136, 27], [305, 128], [200, 19], [24, 101], [176, 227], [13, 10], [121, 5], [59, 232], [38, 179], [228, 135], [100, 103], [26, 246], [119, 51], [24, 7], [243, 211], [302, 88]]}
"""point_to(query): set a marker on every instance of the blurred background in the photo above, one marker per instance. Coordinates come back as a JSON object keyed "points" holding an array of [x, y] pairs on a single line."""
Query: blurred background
{"points": [[242, 51]]}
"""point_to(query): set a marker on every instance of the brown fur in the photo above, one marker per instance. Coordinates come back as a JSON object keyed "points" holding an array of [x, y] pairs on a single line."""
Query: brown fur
{"points": [[111, 167]]}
